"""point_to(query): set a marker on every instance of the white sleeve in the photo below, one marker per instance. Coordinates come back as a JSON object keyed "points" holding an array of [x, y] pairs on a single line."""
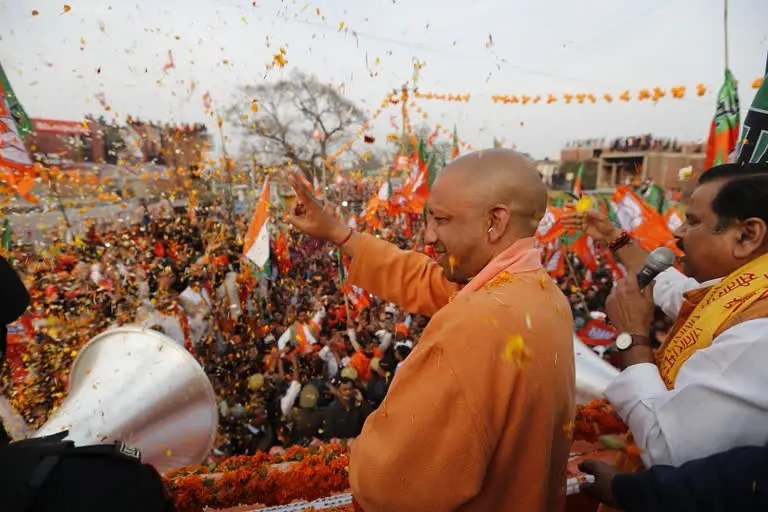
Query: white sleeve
{"points": [[718, 402], [284, 339], [96, 273], [232, 291], [669, 289], [385, 339], [325, 355], [287, 401], [318, 317], [353, 338]]}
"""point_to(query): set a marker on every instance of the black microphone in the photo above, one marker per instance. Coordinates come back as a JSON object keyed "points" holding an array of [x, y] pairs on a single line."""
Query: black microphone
{"points": [[656, 262]]}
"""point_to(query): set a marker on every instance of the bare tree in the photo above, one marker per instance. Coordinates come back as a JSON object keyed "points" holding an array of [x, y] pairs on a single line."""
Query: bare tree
{"points": [[299, 120]]}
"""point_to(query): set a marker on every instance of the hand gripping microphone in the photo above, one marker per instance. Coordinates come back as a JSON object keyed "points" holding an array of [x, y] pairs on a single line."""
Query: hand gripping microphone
{"points": [[656, 262]]}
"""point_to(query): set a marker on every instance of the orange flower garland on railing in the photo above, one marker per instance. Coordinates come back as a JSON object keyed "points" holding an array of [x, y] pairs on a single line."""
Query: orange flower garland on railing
{"points": [[596, 419], [313, 473]]}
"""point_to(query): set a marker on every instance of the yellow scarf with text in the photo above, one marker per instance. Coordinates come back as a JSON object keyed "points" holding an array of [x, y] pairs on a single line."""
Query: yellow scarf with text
{"points": [[736, 292]]}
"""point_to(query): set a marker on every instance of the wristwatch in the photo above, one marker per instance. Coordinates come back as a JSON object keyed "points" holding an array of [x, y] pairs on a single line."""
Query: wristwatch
{"points": [[625, 341]]}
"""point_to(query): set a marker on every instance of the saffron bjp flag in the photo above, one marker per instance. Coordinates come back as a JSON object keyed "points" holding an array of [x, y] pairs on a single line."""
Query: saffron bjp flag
{"points": [[455, 144], [642, 221], [577, 188], [597, 333], [724, 130], [356, 296], [550, 227], [256, 245], [673, 218]]}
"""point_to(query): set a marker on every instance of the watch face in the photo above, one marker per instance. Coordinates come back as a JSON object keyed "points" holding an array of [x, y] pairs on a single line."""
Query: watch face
{"points": [[623, 341]]}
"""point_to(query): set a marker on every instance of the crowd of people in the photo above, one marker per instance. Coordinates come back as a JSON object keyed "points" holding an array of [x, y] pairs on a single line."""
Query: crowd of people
{"points": [[291, 358]]}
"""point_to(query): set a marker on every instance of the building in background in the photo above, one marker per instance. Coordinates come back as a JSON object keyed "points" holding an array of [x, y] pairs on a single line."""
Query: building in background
{"points": [[609, 163], [62, 142], [98, 158], [548, 170]]}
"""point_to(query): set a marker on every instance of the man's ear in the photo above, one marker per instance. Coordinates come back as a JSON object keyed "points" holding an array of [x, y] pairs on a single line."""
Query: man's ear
{"points": [[752, 237], [498, 222]]}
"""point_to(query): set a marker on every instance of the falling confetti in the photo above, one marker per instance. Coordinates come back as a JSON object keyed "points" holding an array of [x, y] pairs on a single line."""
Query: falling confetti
{"points": [[279, 59], [515, 351], [67, 8]]}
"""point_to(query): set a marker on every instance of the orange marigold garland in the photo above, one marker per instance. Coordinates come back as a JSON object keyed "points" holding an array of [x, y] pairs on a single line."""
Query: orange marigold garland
{"points": [[307, 474], [596, 419]]}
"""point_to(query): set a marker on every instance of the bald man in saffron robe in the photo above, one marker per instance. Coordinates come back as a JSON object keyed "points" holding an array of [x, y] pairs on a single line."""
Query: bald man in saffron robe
{"points": [[479, 416]]}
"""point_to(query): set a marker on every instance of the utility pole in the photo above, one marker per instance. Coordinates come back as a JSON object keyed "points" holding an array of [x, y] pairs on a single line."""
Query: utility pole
{"points": [[404, 97]]}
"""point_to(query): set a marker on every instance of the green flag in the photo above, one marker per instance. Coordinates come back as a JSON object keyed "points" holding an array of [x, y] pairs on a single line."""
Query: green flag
{"points": [[421, 150], [724, 129], [753, 144], [654, 196], [433, 165], [5, 241], [559, 200], [609, 211], [23, 122]]}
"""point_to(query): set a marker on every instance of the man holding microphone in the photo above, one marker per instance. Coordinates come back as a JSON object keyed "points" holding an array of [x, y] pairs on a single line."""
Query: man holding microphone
{"points": [[703, 392]]}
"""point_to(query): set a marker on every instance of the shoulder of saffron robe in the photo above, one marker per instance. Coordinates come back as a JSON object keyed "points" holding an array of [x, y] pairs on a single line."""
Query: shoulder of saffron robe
{"points": [[410, 279], [479, 363], [514, 322]]}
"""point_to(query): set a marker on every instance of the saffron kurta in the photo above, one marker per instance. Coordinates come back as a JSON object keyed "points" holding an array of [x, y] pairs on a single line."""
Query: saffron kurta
{"points": [[472, 421]]}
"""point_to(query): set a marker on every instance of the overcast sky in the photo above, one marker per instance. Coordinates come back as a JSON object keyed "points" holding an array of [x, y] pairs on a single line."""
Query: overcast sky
{"points": [[481, 47]]}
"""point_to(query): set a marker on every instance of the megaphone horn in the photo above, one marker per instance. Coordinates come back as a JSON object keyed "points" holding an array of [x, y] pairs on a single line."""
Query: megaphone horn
{"points": [[593, 374], [136, 386]]}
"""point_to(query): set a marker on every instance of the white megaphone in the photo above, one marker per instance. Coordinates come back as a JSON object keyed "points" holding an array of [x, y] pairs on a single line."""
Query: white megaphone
{"points": [[593, 374], [139, 387]]}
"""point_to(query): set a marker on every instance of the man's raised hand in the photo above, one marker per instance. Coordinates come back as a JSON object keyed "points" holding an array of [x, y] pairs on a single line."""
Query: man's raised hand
{"points": [[309, 216]]}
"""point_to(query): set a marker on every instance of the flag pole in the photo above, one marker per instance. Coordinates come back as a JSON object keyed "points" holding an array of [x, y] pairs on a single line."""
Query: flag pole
{"points": [[725, 30], [766, 64]]}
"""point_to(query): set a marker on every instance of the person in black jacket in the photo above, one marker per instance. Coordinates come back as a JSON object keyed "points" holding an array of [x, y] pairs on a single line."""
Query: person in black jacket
{"points": [[728, 481], [49, 474], [14, 300]]}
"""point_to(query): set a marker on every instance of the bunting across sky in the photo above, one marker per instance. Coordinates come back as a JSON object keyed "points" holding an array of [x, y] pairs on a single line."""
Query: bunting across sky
{"points": [[652, 94]]}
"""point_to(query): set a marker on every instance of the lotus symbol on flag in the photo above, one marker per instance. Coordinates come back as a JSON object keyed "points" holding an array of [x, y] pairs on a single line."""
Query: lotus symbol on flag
{"points": [[546, 223], [629, 213]]}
